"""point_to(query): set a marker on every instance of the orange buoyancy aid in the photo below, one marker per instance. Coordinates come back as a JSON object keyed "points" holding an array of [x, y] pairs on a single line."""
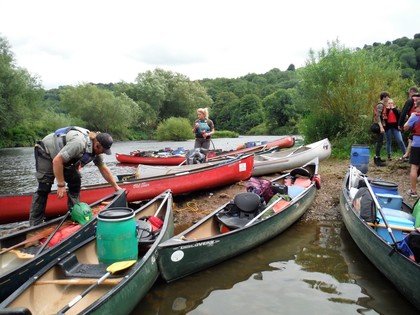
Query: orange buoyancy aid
{"points": [[383, 115]]}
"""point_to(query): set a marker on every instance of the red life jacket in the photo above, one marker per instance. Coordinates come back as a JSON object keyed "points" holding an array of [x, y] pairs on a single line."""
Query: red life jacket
{"points": [[391, 117]]}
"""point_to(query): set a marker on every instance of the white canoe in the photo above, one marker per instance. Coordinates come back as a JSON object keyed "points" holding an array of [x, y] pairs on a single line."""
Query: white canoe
{"points": [[283, 160]]}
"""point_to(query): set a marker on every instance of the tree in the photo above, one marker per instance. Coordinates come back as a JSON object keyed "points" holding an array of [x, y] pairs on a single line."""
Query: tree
{"points": [[338, 89], [100, 110], [279, 110], [20, 98], [291, 67], [170, 94], [248, 114]]}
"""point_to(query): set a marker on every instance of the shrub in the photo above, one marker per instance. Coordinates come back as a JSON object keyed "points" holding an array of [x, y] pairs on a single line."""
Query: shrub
{"points": [[175, 129]]}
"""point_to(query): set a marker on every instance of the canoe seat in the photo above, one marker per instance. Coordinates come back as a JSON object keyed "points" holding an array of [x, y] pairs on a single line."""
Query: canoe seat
{"points": [[300, 171], [241, 210], [72, 268]]}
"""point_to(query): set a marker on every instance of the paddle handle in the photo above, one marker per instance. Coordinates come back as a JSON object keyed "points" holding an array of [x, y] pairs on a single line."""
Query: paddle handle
{"points": [[81, 295], [165, 199]]}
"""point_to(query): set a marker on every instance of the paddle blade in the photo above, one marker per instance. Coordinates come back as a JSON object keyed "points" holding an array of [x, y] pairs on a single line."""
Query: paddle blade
{"points": [[121, 265]]}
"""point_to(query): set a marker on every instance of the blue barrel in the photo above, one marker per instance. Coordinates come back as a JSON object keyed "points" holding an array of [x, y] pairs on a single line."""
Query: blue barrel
{"points": [[382, 187], [359, 157], [116, 235]]}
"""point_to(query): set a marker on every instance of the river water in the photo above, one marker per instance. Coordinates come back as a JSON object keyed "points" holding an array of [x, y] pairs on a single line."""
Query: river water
{"points": [[311, 268]]}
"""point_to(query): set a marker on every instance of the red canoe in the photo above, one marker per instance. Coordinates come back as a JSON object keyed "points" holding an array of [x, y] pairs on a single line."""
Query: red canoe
{"points": [[16, 207], [150, 160], [136, 158]]}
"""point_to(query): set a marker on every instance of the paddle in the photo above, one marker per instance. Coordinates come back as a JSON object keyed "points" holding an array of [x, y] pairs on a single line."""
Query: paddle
{"points": [[378, 206], [115, 267], [34, 238], [53, 233]]}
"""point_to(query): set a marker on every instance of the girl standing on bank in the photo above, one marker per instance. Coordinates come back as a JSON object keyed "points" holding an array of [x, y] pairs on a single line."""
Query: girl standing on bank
{"points": [[203, 129]]}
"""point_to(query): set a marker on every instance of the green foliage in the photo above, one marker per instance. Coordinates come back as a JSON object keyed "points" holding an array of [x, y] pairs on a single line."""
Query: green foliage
{"points": [[175, 129], [20, 97], [338, 89], [279, 110], [248, 114], [169, 94], [223, 110], [332, 96], [225, 134], [99, 109]]}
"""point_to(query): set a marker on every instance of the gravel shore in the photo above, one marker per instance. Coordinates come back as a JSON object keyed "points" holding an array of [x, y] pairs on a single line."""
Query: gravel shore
{"points": [[190, 208]]}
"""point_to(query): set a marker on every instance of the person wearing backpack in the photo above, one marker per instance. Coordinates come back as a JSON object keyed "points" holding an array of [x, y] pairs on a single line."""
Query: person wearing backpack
{"points": [[380, 118], [60, 155]]}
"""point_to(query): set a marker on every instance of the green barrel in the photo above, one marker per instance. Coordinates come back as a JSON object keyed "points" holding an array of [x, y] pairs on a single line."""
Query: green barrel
{"points": [[116, 235]]}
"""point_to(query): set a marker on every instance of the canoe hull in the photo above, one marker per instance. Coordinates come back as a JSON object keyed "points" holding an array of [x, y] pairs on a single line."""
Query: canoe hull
{"points": [[132, 159], [285, 142], [400, 270], [16, 207], [11, 279], [188, 253], [283, 160], [119, 298]]}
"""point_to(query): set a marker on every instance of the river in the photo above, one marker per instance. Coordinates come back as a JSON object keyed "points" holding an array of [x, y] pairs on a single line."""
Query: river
{"points": [[311, 268]]}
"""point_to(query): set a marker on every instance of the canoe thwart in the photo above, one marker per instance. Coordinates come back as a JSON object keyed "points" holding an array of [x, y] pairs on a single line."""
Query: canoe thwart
{"points": [[393, 227], [79, 281]]}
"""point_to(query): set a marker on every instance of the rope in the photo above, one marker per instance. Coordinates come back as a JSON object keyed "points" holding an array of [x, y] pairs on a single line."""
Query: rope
{"points": [[191, 206]]}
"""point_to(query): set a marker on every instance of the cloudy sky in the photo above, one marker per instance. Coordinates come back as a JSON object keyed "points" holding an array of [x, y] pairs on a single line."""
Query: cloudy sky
{"points": [[101, 41]]}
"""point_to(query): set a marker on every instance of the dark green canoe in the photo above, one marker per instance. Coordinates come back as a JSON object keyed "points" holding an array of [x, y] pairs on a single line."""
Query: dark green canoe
{"points": [[218, 237], [59, 283], [23, 255], [402, 271]]}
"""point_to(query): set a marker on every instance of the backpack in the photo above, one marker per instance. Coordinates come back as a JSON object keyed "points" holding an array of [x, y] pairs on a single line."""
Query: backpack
{"points": [[261, 187], [414, 243], [364, 205]]}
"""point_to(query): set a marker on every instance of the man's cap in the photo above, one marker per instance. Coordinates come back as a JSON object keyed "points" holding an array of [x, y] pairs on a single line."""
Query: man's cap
{"points": [[106, 142]]}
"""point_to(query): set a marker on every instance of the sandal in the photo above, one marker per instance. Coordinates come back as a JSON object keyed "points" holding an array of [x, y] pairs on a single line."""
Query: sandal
{"points": [[403, 159]]}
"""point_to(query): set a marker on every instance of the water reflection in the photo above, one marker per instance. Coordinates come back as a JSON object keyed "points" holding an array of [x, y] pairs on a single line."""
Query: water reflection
{"points": [[306, 269]]}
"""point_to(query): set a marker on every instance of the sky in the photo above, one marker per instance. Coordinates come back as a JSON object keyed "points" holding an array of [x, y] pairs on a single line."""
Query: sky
{"points": [[64, 42]]}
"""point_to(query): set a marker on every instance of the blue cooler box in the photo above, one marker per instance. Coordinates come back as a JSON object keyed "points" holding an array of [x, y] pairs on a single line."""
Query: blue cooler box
{"points": [[390, 201], [397, 220]]}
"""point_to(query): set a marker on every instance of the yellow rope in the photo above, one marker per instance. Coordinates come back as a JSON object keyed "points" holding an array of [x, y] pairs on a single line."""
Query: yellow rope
{"points": [[191, 206]]}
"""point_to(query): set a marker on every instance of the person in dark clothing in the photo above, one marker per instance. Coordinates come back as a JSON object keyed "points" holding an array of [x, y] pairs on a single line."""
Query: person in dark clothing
{"points": [[405, 113], [391, 128], [380, 119]]}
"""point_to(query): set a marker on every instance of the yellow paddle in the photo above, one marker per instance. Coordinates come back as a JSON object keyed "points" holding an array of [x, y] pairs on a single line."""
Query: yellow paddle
{"points": [[118, 266]]}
